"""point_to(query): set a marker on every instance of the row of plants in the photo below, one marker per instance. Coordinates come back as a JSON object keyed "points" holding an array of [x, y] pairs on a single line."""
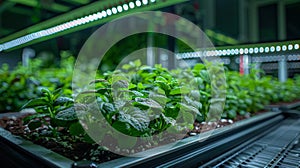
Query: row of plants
{"points": [[141, 101], [136, 100], [22, 83]]}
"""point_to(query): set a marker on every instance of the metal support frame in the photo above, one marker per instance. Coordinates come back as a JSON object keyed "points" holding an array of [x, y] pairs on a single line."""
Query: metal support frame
{"points": [[282, 70], [150, 50], [281, 20], [242, 20], [26, 55], [253, 20], [244, 64]]}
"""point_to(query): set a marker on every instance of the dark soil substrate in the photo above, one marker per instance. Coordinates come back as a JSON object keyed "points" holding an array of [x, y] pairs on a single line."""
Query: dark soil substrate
{"points": [[76, 149]]}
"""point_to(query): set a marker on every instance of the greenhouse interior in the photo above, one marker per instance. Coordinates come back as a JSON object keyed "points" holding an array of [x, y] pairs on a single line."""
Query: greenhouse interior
{"points": [[149, 83]]}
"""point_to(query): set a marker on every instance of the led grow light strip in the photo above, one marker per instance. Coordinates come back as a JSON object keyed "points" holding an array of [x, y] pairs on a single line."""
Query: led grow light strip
{"points": [[239, 51], [74, 23]]}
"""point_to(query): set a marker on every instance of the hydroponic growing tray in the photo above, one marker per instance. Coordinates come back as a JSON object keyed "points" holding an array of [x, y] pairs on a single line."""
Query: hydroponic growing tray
{"points": [[22, 152], [283, 106]]}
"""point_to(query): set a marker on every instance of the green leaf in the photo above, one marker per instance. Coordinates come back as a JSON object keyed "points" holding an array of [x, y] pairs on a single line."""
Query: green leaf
{"points": [[146, 102], [103, 90], [132, 86], [88, 139], [137, 93], [46, 91], [133, 122], [188, 118], [57, 92], [161, 79], [140, 86], [85, 98], [198, 80], [205, 76], [67, 115], [163, 86], [99, 81], [179, 91], [195, 94], [126, 66], [193, 103], [171, 110], [137, 63], [63, 100], [120, 84], [35, 102], [108, 107], [169, 120], [76, 129], [199, 67], [161, 99], [32, 125], [231, 114], [188, 108]]}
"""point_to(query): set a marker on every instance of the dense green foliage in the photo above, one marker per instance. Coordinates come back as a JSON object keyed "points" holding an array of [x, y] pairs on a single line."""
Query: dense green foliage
{"points": [[24, 83], [140, 100], [59, 109]]}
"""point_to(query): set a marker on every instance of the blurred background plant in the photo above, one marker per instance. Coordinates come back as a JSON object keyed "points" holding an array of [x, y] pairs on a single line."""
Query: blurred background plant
{"points": [[23, 83]]}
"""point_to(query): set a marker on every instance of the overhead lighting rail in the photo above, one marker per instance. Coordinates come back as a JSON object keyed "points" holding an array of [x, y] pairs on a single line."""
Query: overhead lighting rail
{"points": [[255, 49], [84, 20]]}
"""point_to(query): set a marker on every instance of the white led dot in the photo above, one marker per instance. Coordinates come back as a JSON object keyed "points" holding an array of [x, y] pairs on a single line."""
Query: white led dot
{"points": [[91, 18], [153, 0], [208, 53], [214, 53], [267, 49], [261, 49], [108, 11], [227, 52], [131, 5], [80, 21], [104, 14], [232, 52], [284, 48], [223, 52], [236, 51], [296, 46], [290, 47], [272, 49], [251, 50], [255, 50], [138, 3], [145, 2], [125, 7], [241, 51], [246, 50], [120, 9], [114, 10], [278, 48], [85, 20]]}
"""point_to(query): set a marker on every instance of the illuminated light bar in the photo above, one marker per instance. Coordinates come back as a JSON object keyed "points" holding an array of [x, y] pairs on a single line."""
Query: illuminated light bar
{"points": [[74, 23], [240, 51]]}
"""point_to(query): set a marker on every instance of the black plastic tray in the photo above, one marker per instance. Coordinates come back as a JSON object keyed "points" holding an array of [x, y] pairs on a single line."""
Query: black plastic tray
{"points": [[18, 152], [27, 154], [188, 152], [284, 107]]}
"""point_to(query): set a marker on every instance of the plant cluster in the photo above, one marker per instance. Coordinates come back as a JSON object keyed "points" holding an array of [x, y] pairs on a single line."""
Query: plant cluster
{"points": [[22, 83], [141, 101]]}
